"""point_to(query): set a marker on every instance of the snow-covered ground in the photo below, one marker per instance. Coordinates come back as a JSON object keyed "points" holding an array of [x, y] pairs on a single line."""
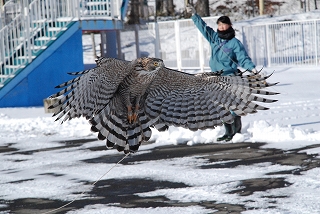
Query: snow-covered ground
{"points": [[42, 159]]}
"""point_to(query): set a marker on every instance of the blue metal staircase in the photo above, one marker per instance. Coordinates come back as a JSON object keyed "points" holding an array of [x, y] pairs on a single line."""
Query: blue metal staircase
{"points": [[29, 28]]}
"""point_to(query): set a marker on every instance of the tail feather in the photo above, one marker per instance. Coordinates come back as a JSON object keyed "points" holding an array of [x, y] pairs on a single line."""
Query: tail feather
{"points": [[161, 127], [118, 133]]}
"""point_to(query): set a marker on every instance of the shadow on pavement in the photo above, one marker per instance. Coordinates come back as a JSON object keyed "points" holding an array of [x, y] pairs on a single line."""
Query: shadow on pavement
{"points": [[123, 193]]}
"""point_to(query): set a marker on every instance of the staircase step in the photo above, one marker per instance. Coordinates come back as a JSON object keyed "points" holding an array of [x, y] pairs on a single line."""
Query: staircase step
{"points": [[11, 68], [39, 23], [57, 29], [36, 50], [9, 71], [3, 76], [37, 47], [22, 60], [43, 40]]}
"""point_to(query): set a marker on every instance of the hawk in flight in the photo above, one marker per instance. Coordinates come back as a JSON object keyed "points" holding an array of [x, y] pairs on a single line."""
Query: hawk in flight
{"points": [[123, 99]]}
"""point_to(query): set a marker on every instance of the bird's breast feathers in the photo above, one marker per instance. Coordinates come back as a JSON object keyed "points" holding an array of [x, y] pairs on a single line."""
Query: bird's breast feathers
{"points": [[145, 77]]}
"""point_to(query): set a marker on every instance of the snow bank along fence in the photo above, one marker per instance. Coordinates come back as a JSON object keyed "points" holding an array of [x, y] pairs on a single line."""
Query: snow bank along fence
{"points": [[182, 46], [29, 26]]}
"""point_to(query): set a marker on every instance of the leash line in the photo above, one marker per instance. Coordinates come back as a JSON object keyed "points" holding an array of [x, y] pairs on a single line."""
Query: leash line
{"points": [[67, 204]]}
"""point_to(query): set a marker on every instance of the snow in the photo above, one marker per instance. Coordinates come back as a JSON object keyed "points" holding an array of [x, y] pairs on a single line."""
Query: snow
{"points": [[39, 165]]}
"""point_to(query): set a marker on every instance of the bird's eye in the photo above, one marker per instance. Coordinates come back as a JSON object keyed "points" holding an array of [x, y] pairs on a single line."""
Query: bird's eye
{"points": [[156, 64]]}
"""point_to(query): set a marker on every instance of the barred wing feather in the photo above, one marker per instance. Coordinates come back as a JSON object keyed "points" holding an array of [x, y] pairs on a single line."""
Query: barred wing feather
{"points": [[90, 92], [205, 100]]}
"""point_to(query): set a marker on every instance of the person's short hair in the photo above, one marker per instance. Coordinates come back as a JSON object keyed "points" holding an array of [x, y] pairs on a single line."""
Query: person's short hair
{"points": [[224, 19]]}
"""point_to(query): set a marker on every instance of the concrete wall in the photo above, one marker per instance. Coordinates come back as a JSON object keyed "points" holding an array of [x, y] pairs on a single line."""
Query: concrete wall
{"points": [[37, 81]]}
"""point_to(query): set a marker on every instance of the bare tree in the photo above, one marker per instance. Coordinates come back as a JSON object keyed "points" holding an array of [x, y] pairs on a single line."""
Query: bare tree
{"points": [[202, 8], [159, 7], [165, 8], [170, 8], [134, 15]]}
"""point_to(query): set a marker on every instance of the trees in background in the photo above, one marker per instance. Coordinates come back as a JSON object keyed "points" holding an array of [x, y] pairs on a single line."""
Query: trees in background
{"points": [[140, 9], [165, 8], [134, 15], [202, 8]]}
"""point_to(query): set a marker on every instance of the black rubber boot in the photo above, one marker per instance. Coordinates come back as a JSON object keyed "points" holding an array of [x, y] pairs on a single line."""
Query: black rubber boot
{"points": [[229, 133], [237, 124]]}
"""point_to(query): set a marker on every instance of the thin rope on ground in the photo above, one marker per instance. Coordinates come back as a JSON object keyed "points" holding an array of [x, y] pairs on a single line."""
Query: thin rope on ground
{"points": [[59, 208]]}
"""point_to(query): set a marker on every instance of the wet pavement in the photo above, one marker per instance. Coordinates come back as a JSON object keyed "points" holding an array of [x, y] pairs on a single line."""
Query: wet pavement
{"points": [[124, 193]]}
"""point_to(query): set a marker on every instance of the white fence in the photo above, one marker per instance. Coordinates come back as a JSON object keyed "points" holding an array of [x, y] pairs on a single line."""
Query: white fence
{"points": [[285, 43], [29, 26], [181, 45], [178, 43]]}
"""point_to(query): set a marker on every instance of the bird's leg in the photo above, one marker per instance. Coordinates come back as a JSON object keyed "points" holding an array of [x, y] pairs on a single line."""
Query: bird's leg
{"points": [[130, 116], [136, 109], [135, 113]]}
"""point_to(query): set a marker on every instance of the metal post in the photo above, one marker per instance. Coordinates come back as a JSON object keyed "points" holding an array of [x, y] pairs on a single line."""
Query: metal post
{"points": [[27, 31], [136, 34], [267, 45], [93, 46], [178, 47], [303, 47], [112, 9], [201, 55], [157, 40], [111, 44], [78, 8], [316, 41], [103, 44], [120, 56]]}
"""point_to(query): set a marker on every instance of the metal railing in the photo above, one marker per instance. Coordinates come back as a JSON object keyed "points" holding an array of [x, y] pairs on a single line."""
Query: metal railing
{"points": [[187, 48], [274, 44], [30, 26], [285, 43]]}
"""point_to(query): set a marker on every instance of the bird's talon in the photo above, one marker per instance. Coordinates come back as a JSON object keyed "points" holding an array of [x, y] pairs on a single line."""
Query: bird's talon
{"points": [[134, 117], [130, 117]]}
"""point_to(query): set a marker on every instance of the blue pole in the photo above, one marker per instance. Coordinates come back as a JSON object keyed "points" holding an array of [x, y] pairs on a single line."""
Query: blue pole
{"points": [[111, 37]]}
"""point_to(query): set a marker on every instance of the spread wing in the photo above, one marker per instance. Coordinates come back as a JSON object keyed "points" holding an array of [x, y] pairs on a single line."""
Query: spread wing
{"points": [[172, 98], [204, 100], [87, 94]]}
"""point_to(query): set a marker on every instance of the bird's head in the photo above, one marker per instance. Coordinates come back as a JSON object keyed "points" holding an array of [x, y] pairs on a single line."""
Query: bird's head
{"points": [[150, 64]]}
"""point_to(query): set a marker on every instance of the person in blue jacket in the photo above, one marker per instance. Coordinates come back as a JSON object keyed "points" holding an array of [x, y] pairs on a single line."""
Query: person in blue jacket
{"points": [[227, 54]]}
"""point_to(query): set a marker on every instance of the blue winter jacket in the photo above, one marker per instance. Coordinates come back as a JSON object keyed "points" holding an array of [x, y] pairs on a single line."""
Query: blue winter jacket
{"points": [[226, 55]]}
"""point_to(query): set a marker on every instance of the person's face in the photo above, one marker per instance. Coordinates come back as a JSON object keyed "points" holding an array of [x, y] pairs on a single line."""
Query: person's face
{"points": [[223, 26]]}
